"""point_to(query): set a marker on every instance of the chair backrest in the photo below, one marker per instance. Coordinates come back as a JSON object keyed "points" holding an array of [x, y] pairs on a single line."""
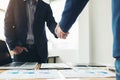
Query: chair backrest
{"points": [[5, 57]]}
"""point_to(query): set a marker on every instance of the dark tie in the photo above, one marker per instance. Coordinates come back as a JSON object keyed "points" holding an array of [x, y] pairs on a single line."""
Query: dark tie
{"points": [[34, 2]]}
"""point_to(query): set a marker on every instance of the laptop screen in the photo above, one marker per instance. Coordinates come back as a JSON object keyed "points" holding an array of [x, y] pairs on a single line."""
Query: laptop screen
{"points": [[5, 57]]}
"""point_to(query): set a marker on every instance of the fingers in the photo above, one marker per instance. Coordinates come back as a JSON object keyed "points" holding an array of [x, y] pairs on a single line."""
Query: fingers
{"points": [[19, 50], [60, 33], [25, 49], [63, 35]]}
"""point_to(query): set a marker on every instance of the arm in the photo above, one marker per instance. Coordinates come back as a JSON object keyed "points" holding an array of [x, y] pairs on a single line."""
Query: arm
{"points": [[51, 23], [116, 27], [71, 11], [9, 27]]}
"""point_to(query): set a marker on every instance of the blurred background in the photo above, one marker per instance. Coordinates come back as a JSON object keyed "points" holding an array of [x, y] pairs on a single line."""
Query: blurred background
{"points": [[90, 38]]}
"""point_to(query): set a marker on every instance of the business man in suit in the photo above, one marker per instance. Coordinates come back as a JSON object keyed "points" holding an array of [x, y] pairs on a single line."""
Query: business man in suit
{"points": [[116, 35], [25, 29], [71, 11]]}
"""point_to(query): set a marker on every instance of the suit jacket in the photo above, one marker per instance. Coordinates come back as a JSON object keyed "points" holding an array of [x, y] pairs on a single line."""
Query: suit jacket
{"points": [[116, 27], [71, 11], [16, 26]]}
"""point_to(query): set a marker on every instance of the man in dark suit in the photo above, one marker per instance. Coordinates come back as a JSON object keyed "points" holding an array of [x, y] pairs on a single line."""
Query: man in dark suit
{"points": [[25, 29]]}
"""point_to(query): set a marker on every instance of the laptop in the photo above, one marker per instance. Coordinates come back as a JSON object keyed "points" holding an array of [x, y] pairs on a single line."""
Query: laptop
{"points": [[6, 61]]}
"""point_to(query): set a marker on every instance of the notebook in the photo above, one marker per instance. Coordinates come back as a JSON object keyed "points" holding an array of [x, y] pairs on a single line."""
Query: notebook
{"points": [[6, 60]]}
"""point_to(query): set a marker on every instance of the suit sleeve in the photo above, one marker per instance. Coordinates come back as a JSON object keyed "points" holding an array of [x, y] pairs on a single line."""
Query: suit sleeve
{"points": [[9, 26], [51, 23], [116, 27], [71, 11]]}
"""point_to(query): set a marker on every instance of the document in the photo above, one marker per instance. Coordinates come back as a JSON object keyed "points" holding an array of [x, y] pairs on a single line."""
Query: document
{"points": [[77, 73], [29, 74], [55, 66]]}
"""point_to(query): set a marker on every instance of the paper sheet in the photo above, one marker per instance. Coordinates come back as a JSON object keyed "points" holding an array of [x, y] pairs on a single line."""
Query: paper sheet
{"points": [[29, 74], [55, 66], [77, 73]]}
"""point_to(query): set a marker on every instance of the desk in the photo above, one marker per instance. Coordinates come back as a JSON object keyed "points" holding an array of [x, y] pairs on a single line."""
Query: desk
{"points": [[68, 79], [37, 68], [71, 79]]}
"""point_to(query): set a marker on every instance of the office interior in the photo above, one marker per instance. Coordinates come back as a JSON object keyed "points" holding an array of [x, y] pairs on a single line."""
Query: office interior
{"points": [[90, 38]]}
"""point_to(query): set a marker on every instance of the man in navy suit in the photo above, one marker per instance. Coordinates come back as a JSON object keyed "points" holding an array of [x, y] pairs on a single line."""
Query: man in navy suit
{"points": [[72, 10], [116, 35], [25, 29]]}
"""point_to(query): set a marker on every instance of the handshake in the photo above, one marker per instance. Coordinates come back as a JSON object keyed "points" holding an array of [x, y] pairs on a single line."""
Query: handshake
{"points": [[60, 34]]}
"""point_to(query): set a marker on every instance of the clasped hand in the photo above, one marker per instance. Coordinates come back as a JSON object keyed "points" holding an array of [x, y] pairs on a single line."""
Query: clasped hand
{"points": [[60, 34]]}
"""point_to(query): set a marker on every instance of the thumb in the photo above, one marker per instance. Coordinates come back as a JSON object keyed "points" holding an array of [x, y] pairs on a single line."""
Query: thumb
{"points": [[25, 49]]}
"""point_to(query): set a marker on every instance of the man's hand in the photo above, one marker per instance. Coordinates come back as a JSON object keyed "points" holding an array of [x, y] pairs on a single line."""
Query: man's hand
{"points": [[19, 49], [60, 33]]}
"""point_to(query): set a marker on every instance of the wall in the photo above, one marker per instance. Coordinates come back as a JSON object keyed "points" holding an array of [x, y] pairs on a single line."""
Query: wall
{"points": [[84, 35], [100, 32]]}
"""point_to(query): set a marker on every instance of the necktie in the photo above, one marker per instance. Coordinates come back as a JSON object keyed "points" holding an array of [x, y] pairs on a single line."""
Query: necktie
{"points": [[34, 2]]}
